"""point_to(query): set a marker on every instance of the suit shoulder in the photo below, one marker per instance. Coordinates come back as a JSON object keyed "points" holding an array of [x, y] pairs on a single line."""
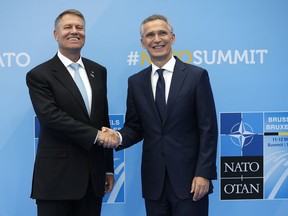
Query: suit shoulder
{"points": [[43, 64], [190, 68], [194, 68], [141, 73], [93, 63], [40, 68]]}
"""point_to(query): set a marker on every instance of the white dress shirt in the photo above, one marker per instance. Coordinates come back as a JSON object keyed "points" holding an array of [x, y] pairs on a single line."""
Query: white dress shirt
{"points": [[67, 62], [167, 74]]}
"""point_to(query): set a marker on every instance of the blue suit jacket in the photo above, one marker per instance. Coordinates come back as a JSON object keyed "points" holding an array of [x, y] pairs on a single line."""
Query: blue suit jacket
{"points": [[186, 142]]}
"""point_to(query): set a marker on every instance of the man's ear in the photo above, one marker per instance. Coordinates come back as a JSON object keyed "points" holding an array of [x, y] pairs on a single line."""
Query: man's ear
{"points": [[173, 38], [142, 43], [55, 35]]}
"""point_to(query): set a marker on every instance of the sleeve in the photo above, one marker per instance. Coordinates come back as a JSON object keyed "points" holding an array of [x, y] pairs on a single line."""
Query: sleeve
{"points": [[132, 132], [52, 116], [208, 129]]}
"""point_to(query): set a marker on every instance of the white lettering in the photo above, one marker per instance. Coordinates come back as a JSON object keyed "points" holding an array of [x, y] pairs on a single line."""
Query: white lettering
{"points": [[241, 167], [241, 188], [9, 59]]}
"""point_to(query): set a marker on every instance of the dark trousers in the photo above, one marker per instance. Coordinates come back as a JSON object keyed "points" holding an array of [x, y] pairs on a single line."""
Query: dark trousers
{"points": [[170, 205], [89, 205]]}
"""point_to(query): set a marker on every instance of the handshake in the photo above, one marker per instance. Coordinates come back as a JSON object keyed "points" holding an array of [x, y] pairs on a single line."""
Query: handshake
{"points": [[108, 138]]}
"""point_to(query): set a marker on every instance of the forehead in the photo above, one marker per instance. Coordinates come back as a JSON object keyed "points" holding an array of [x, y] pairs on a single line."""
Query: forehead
{"points": [[71, 19], [155, 25]]}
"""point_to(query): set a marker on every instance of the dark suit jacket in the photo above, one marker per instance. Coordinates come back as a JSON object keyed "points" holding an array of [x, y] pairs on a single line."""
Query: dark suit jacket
{"points": [[185, 143], [66, 157]]}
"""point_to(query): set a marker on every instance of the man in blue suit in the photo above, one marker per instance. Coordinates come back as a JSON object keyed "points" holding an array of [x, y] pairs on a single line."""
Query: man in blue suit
{"points": [[179, 138]]}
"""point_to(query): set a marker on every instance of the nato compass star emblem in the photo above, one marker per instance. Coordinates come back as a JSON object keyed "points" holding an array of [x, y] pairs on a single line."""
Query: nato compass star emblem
{"points": [[242, 134]]}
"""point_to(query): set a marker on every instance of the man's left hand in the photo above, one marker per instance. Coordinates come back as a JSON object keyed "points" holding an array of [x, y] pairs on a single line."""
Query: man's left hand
{"points": [[200, 187], [109, 183]]}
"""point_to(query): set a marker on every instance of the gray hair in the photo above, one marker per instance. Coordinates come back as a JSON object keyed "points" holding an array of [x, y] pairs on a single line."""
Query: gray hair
{"points": [[152, 18], [70, 11]]}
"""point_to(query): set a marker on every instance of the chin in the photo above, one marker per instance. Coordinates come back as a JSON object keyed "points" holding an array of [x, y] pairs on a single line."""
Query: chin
{"points": [[160, 57]]}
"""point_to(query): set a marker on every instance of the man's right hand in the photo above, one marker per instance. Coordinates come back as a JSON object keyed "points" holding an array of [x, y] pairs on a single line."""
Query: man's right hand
{"points": [[108, 138]]}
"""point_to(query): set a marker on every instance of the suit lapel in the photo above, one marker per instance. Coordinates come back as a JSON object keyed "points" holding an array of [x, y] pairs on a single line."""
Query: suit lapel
{"points": [[61, 73], [178, 78], [91, 74], [148, 92]]}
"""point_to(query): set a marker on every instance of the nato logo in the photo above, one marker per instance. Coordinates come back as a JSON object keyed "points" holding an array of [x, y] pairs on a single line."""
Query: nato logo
{"points": [[241, 156], [241, 134]]}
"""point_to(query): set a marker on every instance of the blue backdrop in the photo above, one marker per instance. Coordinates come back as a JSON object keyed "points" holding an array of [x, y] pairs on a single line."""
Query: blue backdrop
{"points": [[243, 45]]}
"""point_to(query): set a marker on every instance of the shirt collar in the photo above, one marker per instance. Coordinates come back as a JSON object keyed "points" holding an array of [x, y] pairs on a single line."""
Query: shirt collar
{"points": [[67, 62], [169, 66]]}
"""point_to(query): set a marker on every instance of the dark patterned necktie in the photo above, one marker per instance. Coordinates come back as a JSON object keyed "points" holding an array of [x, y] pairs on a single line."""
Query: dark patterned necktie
{"points": [[160, 94]]}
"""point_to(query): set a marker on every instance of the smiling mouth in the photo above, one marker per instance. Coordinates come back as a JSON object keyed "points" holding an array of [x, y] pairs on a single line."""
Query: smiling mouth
{"points": [[158, 47], [74, 39]]}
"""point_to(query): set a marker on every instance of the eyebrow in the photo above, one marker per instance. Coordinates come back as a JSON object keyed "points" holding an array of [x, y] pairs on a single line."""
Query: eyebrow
{"points": [[156, 32]]}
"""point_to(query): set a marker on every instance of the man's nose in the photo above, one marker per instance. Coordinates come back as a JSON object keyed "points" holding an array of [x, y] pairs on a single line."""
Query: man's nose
{"points": [[157, 37], [74, 30]]}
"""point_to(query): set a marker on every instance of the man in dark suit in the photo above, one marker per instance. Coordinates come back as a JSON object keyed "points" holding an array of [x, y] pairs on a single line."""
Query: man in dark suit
{"points": [[70, 169], [179, 132]]}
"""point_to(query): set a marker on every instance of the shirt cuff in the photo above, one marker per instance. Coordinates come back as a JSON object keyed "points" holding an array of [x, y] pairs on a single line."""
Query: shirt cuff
{"points": [[120, 138], [95, 141]]}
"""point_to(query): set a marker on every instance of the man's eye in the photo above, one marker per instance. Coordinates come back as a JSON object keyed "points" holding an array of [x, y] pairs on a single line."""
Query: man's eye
{"points": [[150, 35], [67, 27], [80, 27], [163, 33]]}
